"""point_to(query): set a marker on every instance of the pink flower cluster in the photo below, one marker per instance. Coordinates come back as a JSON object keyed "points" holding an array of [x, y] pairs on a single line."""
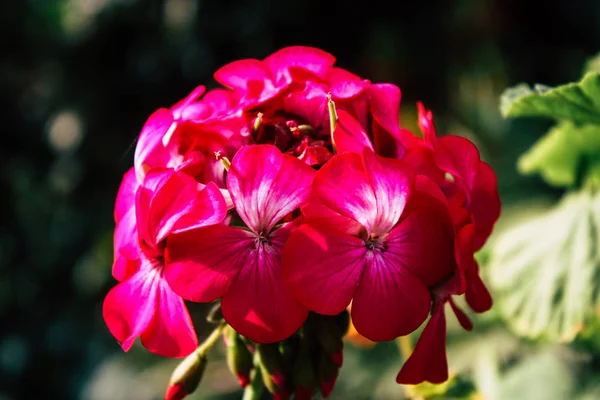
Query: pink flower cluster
{"points": [[294, 190]]}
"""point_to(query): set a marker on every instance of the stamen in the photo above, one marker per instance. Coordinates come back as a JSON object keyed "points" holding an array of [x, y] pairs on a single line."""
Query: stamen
{"points": [[224, 160]]}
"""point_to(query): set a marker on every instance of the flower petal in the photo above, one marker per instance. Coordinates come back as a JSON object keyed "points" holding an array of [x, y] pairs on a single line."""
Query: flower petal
{"points": [[392, 182], [428, 360], [126, 247], [126, 194], [171, 333], [426, 125], [322, 267], [478, 297], [150, 151], [202, 263], [180, 107], [257, 304], [423, 240], [237, 74], [310, 103], [462, 318], [345, 85], [384, 100], [343, 185], [459, 157], [129, 307], [259, 183], [485, 203], [349, 135], [310, 59], [390, 301], [177, 205]]}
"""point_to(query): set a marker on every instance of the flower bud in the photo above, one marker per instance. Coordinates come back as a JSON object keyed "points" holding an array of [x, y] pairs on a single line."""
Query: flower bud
{"points": [[304, 377], [256, 387], [328, 334], [328, 373], [186, 377], [270, 367], [239, 359]]}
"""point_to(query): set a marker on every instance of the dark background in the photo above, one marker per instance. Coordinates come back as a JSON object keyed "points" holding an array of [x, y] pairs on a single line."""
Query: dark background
{"points": [[79, 78]]}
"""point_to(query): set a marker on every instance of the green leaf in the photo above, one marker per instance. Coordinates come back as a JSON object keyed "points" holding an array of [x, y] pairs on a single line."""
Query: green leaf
{"points": [[578, 102], [545, 272], [565, 152]]}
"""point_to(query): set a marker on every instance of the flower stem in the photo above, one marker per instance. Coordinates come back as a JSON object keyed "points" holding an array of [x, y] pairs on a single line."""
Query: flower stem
{"points": [[210, 341]]}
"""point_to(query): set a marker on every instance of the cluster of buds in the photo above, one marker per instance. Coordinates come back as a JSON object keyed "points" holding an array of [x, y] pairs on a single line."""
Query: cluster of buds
{"points": [[293, 197]]}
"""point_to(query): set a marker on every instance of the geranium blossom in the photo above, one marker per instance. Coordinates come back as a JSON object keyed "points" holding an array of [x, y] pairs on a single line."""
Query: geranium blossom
{"points": [[143, 304], [405, 246], [242, 263]]}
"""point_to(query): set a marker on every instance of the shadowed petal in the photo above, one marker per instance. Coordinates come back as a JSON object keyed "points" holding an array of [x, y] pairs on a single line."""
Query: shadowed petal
{"points": [[423, 240], [459, 157], [485, 204], [349, 135], [202, 263], [389, 301], [322, 267]]}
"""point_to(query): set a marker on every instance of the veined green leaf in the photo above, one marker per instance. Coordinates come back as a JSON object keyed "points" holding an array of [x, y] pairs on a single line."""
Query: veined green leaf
{"points": [[578, 102], [566, 151], [546, 272]]}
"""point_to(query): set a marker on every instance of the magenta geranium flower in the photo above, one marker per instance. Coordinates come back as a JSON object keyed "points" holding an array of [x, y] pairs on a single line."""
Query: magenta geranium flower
{"points": [[404, 247], [242, 263], [143, 304]]}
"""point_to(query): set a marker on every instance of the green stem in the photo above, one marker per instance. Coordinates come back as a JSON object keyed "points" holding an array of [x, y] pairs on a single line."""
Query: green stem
{"points": [[210, 341]]}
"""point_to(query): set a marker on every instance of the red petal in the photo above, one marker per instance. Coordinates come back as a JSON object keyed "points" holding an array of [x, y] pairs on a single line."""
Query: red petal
{"points": [[384, 100], [202, 263], [459, 157], [259, 183], [129, 307], [257, 304], [176, 204], [477, 295], [426, 125], [392, 182], [389, 301], [126, 247], [423, 240], [171, 333], [126, 194], [343, 185], [150, 151], [237, 74], [462, 318], [349, 135], [180, 106], [311, 59], [485, 204], [322, 267], [428, 360]]}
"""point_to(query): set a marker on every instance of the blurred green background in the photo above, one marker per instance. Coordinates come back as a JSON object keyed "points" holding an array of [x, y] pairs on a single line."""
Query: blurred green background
{"points": [[79, 78]]}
